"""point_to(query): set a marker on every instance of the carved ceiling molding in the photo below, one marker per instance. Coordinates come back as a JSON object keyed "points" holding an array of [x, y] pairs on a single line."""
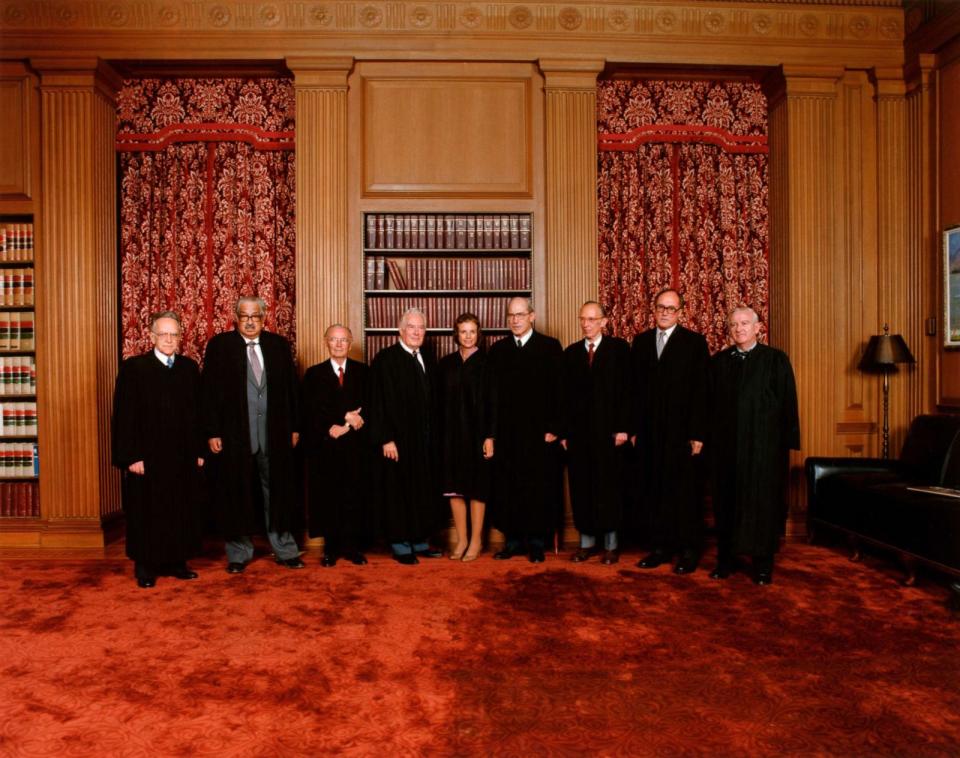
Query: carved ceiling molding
{"points": [[849, 21]]}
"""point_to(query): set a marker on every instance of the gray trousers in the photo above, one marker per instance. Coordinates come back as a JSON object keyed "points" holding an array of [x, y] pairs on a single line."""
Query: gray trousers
{"points": [[240, 550]]}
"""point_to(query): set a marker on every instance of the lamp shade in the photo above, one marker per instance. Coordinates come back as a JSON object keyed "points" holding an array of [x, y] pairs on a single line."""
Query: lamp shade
{"points": [[884, 352]]}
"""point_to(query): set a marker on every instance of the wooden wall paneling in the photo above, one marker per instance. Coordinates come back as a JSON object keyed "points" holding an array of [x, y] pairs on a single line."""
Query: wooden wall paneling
{"points": [[571, 193], [804, 195], [449, 130], [323, 255], [76, 308], [19, 138], [922, 241], [853, 306], [900, 294], [947, 202]]}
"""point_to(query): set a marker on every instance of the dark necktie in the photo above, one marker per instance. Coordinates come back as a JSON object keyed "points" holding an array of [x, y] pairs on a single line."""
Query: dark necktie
{"points": [[417, 359], [590, 354], [254, 361], [340, 375], [519, 343]]}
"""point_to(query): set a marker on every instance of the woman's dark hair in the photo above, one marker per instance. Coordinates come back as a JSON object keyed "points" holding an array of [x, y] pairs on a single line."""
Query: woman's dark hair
{"points": [[465, 318]]}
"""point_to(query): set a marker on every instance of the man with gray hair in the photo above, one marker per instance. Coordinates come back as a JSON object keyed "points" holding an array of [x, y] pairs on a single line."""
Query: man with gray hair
{"points": [[755, 424], [403, 427], [250, 418], [159, 447]]}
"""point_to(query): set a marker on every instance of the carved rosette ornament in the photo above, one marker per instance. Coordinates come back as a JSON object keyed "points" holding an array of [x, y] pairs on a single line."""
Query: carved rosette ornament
{"points": [[270, 15], [168, 15], [219, 16], [666, 21], [570, 19], [371, 16], [421, 17], [762, 23], [714, 22], [471, 17], [618, 20], [809, 24], [320, 15], [520, 17]]}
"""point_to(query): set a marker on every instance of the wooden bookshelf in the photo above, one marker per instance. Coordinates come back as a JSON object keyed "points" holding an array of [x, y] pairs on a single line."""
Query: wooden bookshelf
{"points": [[445, 264], [19, 463]]}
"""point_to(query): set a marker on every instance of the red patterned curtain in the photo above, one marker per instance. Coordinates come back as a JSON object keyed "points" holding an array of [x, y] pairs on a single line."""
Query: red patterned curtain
{"points": [[206, 204], [682, 201]]}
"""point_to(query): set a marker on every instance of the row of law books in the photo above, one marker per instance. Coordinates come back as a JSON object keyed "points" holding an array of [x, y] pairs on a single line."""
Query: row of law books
{"points": [[449, 231], [447, 273], [19, 500], [16, 286], [18, 375], [19, 459], [18, 419], [16, 330], [438, 344], [385, 312], [16, 242]]}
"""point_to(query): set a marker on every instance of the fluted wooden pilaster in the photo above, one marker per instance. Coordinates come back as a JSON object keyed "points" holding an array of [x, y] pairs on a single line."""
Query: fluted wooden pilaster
{"points": [[804, 192], [900, 298], [76, 300], [922, 244], [571, 193], [322, 220]]}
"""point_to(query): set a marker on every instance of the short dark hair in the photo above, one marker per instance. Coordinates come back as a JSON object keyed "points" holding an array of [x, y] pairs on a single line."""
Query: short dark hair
{"points": [[465, 318], [664, 291]]}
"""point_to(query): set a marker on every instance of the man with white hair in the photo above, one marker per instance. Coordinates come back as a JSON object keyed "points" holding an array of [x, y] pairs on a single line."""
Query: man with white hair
{"points": [[755, 424], [403, 427]]}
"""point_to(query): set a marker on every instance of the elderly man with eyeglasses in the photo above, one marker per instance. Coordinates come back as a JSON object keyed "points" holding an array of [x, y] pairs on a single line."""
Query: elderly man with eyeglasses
{"points": [[671, 366], [159, 447], [250, 402]]}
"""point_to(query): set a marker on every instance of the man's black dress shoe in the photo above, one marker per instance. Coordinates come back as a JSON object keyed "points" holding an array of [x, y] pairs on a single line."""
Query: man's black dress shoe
{"points": [[504, 555], [430, 553], [328, 560], [722, 571], [763, 577], [291, 563], [146, 582], [654, 559], [407, 559], [236, 568], [687, 564], [184, 573], [610, 557], [536, 555], [583, 554], [357, 559]]}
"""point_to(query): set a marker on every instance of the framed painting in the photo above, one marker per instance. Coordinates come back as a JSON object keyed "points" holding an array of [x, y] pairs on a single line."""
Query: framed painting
{"points": [[951, 287]]}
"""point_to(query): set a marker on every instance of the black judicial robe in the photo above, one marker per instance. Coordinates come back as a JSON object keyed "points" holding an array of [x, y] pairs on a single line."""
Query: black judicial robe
{"points": [[402, 411], [338, 491], [463, 468], [156, 420], [597, 406], [670, 409], [755, 423], [523, 404], [236, 497]]}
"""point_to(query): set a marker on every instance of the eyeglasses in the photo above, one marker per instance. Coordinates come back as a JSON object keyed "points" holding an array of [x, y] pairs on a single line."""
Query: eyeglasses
{"points": [[339, 340], [167, 335], [250, 316], [518, 315], [666, 309]]}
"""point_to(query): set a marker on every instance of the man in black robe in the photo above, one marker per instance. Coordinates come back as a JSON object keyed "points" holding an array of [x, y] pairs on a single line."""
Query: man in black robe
{"points": [[158, 444], [596, 379], [755, 425], [250, 399], [403, 427], [336, 448], [524, 421], [671, 368]]}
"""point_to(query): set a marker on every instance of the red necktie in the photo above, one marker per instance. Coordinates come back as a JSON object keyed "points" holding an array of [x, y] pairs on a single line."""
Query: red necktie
{"points": [[590, 354], [340, 374]]}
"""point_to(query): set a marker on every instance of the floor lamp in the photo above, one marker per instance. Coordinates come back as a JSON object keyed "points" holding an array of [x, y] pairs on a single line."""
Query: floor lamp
{"points": [[883, 353]]}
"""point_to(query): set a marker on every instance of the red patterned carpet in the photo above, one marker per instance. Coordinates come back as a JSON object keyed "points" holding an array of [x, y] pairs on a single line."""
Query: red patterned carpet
{"points": [[487, 658]]}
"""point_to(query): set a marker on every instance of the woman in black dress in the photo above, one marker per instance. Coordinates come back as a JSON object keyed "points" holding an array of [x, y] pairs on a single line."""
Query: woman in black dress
{"points": [[464, 468]]}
